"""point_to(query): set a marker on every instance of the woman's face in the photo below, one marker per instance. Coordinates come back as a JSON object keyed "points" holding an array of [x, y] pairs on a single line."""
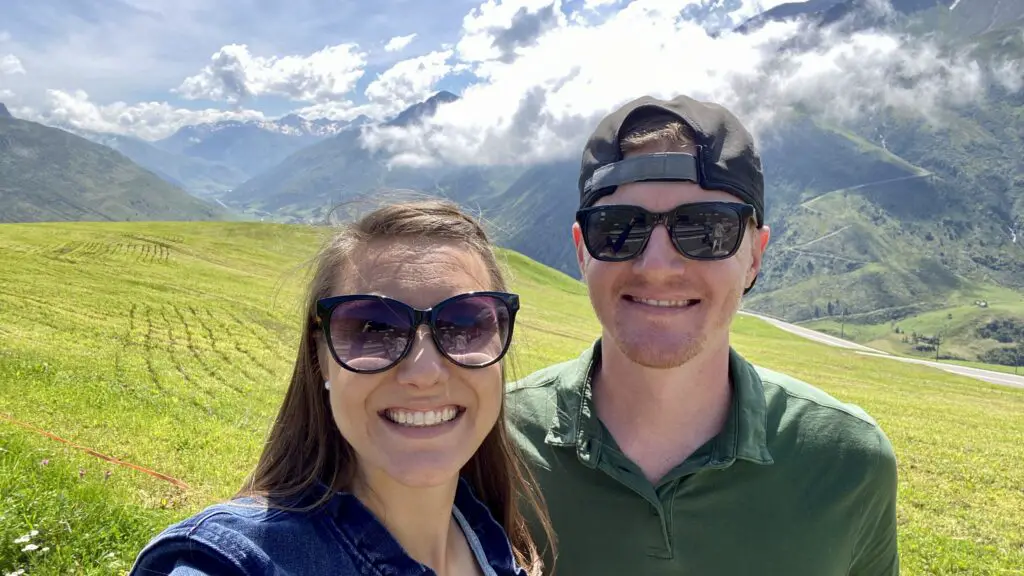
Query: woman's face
{"points": [[399, 422]]}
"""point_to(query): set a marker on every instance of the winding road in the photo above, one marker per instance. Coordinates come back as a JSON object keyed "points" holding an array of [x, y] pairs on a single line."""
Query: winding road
{"points": [[990, 376]]}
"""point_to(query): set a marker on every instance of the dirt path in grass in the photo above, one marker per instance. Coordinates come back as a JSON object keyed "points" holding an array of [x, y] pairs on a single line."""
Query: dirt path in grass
{"points": [[99, 455]]}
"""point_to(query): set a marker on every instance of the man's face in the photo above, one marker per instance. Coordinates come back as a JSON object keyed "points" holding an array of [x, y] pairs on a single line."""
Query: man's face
{"points": [[662, 309]]}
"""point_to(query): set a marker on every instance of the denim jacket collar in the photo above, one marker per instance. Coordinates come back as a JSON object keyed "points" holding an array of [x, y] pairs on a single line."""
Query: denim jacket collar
{"points": [[372, 540]]}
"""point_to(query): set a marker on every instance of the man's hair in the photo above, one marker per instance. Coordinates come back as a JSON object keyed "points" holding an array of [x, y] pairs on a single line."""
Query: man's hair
{"points": [[660, 132], [657, 133]]}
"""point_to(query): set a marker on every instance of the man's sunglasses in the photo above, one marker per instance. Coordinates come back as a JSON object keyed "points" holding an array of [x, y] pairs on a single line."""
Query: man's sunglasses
{"points": [[369, 334], [700, 230]]}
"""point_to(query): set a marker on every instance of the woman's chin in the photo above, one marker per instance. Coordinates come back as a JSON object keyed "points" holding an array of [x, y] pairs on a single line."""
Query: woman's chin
{"points": [[422, 473], [413, 469]]}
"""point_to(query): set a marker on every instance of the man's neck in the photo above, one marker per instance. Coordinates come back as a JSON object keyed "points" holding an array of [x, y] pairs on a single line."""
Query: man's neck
{"points": [[659, 417], [420, 519]]}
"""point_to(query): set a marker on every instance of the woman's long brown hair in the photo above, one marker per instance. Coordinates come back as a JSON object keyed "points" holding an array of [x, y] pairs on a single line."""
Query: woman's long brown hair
{"points": [[305, 446]]}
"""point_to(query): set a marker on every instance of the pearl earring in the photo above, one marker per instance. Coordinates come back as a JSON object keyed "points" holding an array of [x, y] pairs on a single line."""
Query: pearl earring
{"points": [[327, 384]]}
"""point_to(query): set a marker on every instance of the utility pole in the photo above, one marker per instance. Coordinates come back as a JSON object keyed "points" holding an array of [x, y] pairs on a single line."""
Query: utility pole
{"points": [[842, 324], [1016, 364]]}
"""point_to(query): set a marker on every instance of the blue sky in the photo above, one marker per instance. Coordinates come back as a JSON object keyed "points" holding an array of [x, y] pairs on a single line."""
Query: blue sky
{"points": [[140, 50]]}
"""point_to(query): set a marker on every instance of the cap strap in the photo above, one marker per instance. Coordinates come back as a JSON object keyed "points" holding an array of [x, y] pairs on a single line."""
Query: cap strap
{"points": [[659, 166]]}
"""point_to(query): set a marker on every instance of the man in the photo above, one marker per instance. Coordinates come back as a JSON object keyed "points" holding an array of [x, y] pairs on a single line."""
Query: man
{"points": [[661, 450]]}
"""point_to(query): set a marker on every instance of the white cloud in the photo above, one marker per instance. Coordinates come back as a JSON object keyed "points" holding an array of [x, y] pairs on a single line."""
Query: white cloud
{"points": [[399, 42], [404, 84], [235, 75], [407, 82], [497, 29], [148, 120], [6, 94], [10, 64], [542, 104], [339, 110]]}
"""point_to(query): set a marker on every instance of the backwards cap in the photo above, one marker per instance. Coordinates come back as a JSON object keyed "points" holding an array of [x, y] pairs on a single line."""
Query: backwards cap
{"points": [[726, 158]]}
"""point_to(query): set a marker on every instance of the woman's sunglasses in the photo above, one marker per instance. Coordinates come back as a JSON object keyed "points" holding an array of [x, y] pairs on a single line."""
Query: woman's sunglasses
{"points": [[369, 334], [700, 230]]}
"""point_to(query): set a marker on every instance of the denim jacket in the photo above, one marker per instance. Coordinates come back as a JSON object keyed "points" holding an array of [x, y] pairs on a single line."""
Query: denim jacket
{"points": [[245, 537]]}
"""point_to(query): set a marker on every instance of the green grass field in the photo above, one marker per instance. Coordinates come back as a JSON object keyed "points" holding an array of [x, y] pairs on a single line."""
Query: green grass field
{"points": [[167, 346]]}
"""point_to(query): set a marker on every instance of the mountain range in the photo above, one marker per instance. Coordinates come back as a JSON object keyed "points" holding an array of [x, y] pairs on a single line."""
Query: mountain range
{"points": [[881, 222]]}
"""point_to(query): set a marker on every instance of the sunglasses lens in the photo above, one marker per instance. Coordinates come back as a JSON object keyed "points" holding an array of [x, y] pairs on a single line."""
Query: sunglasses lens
{"points": [[706, 232], [473, 331], [616, 232], [369, 334]]}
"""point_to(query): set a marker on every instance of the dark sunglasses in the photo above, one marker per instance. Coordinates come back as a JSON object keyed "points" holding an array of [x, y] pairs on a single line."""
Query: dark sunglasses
{"points": [[368, 333], [699, 230]]}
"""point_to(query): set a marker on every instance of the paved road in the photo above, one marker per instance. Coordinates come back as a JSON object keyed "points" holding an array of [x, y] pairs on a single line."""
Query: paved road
{"points": [[814, 334], [978, 373]]}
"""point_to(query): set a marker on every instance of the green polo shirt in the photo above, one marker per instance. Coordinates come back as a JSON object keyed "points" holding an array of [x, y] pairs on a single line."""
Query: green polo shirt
{"points": [[796, 483]]}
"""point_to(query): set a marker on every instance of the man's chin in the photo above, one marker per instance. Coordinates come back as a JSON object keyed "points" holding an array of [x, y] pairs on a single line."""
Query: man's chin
{"points": [[661, 354]]}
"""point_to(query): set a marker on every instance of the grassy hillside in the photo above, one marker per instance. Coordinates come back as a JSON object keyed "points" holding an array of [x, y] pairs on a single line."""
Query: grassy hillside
{"points": [[47, 174], [167, 346], [979, 324], [898, 236]]}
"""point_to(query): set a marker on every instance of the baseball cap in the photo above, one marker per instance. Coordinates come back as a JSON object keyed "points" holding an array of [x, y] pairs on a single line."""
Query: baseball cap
{"points": [[725, 159]]}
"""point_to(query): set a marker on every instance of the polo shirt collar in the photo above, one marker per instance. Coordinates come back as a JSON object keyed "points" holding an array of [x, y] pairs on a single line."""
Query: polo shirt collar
{"points": [[744, 435]]}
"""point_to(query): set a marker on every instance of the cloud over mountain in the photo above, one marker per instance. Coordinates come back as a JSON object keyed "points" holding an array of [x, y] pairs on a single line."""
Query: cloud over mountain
{"points": [[542, 104], [147, 120], [234, 75]]}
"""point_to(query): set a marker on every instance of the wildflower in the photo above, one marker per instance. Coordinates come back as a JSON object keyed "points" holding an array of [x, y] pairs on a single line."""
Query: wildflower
{"points": [[30, 548], [23, 539], [44, 462], [106, 475], [81, 473]]}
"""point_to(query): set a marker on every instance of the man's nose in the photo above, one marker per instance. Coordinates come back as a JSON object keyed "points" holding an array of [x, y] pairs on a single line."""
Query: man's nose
{"points": [[660, 253]]}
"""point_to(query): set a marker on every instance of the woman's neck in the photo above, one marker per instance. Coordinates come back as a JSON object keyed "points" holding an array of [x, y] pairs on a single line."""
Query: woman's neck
{"points": [[420, 519]]}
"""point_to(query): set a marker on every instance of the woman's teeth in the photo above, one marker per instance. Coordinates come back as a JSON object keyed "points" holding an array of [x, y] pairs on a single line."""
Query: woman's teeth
{"points": [[664, 303], [421, 417]]}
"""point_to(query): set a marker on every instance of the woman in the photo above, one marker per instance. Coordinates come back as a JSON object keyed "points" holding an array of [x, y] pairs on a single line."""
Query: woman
{"points": [[390, 454]]}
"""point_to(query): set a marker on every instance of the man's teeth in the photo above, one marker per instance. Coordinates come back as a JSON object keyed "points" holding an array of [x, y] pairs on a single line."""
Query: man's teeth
{"points": [[421, 418], [665, 303]]}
